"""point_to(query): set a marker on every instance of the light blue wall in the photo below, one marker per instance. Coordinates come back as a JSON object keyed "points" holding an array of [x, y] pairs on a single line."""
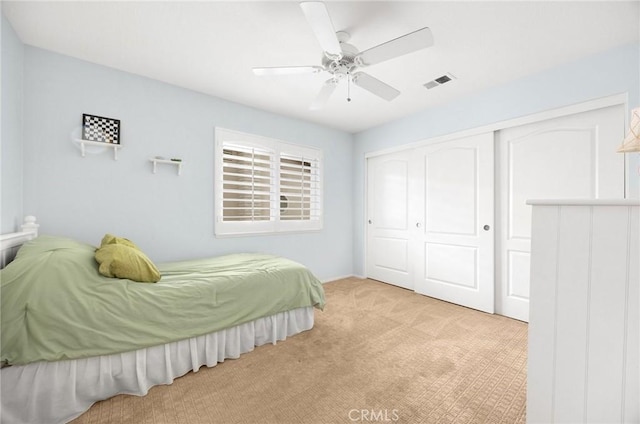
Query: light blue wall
{"points": [[11, 142], [169, 216], [612, 72]]}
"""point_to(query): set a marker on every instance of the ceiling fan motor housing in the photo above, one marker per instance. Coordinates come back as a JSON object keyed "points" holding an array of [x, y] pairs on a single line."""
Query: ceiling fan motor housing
{"points": [[343, 66]]}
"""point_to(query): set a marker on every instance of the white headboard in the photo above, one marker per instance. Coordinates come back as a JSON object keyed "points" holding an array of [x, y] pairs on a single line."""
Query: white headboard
{"points": [[11, 242]]}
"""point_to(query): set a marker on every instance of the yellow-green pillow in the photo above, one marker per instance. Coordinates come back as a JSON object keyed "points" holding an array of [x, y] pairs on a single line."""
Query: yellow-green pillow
{"points": [[122, 261], [111, 239]]}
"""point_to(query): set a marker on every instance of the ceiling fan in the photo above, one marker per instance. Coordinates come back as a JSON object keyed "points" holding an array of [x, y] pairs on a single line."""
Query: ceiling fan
{"points": [[343, 61]]}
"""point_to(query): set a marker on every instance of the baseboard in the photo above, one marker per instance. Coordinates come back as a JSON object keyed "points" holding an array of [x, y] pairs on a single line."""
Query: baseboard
{"points": [[328, 280]]}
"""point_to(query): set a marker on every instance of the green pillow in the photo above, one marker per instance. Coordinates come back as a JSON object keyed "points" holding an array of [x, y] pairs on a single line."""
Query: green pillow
{"points": [[111, 239], [122, 261]]}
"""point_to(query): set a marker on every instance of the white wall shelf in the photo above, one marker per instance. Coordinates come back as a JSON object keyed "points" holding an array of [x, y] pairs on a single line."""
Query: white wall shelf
{"points": [[82, 144], [156, 161]]}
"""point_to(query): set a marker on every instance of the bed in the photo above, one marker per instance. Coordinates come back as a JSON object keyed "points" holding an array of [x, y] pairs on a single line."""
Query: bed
{"points": [[72, 337]]}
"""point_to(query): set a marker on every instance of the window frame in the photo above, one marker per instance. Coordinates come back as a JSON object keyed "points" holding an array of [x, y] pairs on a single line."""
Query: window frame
{"points": [[275, 225]]}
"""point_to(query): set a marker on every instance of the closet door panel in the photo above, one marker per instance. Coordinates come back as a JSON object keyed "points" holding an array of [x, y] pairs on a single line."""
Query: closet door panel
{"points": [[450, 192], [388, 229], [570, 157], [454, 247], [453, 265]]}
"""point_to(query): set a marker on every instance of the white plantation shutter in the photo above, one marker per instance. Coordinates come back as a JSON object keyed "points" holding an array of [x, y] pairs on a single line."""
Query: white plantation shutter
{"points": [[299, 188], [265, 186], [248, 183]]}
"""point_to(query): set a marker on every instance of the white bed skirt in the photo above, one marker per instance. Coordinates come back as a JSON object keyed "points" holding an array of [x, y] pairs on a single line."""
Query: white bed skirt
{"points": [[57, 392]]}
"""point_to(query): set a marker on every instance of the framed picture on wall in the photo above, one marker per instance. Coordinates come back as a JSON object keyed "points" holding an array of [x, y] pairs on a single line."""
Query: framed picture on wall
{"points": [[99, 128]]}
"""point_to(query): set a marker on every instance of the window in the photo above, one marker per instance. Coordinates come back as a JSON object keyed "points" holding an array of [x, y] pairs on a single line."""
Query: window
{"points": [[265, 185]]}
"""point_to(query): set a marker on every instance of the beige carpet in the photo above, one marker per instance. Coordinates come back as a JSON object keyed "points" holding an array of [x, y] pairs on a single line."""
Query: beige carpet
{"points": [[377, 353]]}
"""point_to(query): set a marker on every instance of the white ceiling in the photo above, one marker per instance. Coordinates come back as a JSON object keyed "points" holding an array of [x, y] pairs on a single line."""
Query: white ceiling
{"points": [[211, 47]]}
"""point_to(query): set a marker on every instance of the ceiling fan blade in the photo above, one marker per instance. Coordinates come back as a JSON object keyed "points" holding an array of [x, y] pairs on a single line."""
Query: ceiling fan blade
{"points": [[375, 86], [323, 96], [318, 17], [409, 43], [288, 70]]}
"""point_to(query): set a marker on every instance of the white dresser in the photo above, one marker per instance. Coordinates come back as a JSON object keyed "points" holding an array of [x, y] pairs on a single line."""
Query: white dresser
{"points": [[584, 321]]}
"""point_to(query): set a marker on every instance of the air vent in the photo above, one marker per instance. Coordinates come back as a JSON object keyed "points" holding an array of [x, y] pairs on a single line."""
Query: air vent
{"points": [[431, 84], [439, 81]]}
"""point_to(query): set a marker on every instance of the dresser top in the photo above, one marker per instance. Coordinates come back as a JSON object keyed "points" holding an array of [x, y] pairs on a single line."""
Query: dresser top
{"points": [[584, 202]]}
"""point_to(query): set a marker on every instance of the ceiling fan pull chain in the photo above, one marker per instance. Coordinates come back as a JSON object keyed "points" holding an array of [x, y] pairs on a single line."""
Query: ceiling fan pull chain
{"points": [[348, 86]]}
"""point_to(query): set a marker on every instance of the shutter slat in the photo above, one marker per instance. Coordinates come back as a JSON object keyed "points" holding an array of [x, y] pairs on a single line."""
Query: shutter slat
{"points": [[245, 192]]}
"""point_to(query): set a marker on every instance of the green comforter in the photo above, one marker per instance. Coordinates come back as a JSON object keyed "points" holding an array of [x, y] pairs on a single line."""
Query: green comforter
{"points": [[55, 304]]}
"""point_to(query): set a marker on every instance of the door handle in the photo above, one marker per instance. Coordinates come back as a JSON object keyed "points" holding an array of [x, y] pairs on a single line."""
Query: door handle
{"points": [[370, 222], [418, 225], [486, 228]]}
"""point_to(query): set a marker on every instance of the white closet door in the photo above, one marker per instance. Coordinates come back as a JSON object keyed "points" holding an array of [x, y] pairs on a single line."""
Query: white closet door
{"points": [[454, 249], [388, 231], [571, 157]]}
